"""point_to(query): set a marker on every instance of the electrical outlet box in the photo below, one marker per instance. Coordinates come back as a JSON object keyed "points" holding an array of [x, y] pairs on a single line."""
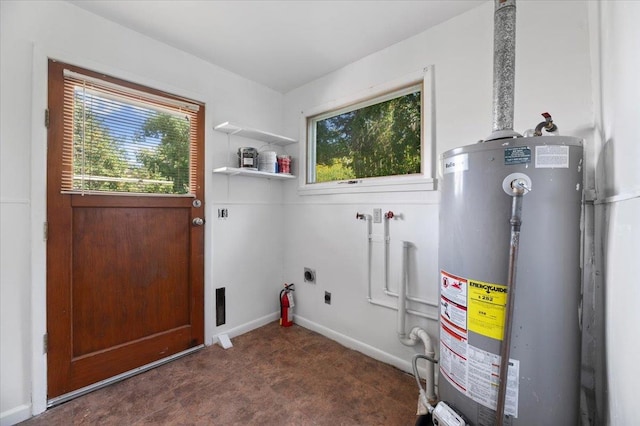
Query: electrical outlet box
{"points": [[309, 275], [327, 297], [377, 215]]}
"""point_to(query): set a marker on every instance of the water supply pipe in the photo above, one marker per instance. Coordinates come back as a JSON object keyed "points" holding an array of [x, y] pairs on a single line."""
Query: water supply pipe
{"points": [[547, 124], [387, 241], [368, 218], [518, 190], [426, 401], [419, 335]]}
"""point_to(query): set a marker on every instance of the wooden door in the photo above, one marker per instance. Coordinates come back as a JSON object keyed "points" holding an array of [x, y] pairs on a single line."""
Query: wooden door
{"points": [[125, 272]]}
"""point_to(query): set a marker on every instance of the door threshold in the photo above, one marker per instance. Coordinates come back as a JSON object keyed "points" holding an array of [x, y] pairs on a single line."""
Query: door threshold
{"points": [[99, 385]]}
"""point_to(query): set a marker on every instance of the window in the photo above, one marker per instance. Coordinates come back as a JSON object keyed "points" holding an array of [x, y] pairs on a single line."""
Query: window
{"points": [[378, 137], [124, 139]]}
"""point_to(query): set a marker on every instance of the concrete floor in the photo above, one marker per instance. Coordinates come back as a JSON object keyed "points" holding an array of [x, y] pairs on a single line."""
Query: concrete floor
{"points": [[271, 376]]}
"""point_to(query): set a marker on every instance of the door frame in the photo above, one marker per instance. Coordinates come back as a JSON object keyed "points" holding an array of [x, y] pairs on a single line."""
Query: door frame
{"points": [[38, 206]]}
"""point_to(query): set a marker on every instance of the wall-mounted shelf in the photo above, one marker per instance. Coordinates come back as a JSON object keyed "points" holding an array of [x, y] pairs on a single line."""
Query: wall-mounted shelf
{"points": [[255, 173], [246, 132]]}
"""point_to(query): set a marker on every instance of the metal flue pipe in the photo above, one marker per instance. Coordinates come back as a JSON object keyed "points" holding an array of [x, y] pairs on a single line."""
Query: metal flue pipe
{"points": [[504, 68]]}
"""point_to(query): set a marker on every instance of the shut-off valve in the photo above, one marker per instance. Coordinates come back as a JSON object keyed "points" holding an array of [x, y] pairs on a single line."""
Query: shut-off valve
{"points": [[547, 125]]}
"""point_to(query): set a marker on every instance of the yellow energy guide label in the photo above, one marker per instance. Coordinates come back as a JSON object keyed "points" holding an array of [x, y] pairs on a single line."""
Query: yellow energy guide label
{"points": [[485, 310]]}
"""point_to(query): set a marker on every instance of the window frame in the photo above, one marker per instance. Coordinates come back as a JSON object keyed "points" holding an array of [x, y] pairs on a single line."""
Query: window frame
{"points": [[423, 181]]}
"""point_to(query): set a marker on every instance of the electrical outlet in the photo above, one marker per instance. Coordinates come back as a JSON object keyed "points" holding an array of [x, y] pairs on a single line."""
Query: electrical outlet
{"points": [[327, 297], [377, 215], [223, 213]]}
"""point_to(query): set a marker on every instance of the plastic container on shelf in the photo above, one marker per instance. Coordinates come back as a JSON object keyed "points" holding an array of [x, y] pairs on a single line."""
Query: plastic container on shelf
{"points": [[267, 161], [248, 158], [284, 164]]}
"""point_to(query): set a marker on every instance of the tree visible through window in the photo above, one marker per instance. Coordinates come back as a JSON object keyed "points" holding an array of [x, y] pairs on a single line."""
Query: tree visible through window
{"points": [[379, 138], [125, 141]]}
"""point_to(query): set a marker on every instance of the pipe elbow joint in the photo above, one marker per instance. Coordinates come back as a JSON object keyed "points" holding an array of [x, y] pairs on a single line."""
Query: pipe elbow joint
{"points": [[418, 333], [547, 124], [414, 333]]}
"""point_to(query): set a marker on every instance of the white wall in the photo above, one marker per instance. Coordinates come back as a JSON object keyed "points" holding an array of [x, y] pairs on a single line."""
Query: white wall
{"points": [[29, 32], [552, 74], [618, 203], [555, 73]]}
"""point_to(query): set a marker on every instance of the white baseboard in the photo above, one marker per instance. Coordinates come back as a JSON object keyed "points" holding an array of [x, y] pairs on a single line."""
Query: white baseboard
{"points": [[246, 327], [368, 350], [327, 332], [356, 345], [15, 415]]}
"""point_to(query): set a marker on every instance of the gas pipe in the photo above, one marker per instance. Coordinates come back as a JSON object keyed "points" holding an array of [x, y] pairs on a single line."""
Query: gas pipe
{"points": [[286, 305]]}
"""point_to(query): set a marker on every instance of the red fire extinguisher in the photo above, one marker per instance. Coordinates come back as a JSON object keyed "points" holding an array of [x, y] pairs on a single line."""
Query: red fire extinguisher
{"points": [[286, 305]]}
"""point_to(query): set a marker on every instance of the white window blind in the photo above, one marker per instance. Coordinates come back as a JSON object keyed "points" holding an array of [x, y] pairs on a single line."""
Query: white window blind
{"points": [[123, 140]]}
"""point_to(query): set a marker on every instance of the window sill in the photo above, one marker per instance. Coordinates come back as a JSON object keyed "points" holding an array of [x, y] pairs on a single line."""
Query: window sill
{"points": [[370, 186]]}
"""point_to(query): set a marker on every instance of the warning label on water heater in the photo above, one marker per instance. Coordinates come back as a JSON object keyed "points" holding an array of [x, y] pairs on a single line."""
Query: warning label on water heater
{"points": [[478, 306], [484, 377], [453, 288], [552, 157], [476, 373]]}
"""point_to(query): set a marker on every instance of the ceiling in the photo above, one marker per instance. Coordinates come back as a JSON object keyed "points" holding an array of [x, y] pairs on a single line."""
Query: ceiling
{"points": [[280, 44]]}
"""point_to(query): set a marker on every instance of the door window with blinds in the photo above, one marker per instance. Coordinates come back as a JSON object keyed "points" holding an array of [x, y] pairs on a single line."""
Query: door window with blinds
{"points": [[121, 139]]}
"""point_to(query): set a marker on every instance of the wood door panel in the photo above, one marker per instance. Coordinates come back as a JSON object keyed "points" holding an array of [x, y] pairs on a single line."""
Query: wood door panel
{"points": [[98, 366], [141, 291], [125, 272]]}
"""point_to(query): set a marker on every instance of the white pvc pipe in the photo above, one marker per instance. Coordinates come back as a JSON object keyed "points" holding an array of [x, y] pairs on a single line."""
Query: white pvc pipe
{"points": [[387, 242], [430, 352], [414, 299], [417, 334], [423, 315], [369, 253], [387, 239], [432, 317], [368, 218], [370, 299], [402, 291]]}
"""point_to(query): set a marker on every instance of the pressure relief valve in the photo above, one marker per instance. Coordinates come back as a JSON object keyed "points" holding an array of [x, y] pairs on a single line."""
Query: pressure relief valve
{"points": [[520, 185], [517, 184], [547, 125]]}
